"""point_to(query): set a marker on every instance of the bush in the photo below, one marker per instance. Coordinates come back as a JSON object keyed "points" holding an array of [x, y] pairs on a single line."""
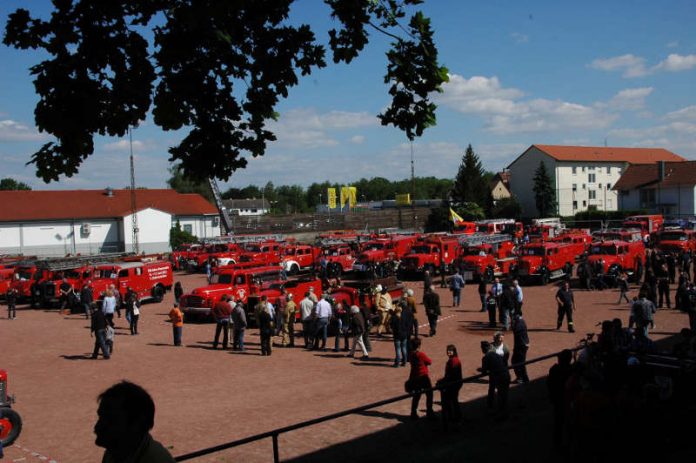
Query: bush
{"points": [[177, 236]]}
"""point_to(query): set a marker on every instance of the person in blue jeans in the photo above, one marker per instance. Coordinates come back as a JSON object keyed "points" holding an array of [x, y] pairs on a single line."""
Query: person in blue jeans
{"points": [[400, 337], [456, 285]]}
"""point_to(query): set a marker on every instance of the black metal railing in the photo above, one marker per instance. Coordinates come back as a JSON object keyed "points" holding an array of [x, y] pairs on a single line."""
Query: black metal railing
{"points": [[273, 434]]}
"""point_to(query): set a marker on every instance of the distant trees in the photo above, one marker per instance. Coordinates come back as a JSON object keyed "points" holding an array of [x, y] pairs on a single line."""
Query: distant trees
{"points": [[544, 192], [8, 183], [470, 185], [182, 184], [507, 208]]}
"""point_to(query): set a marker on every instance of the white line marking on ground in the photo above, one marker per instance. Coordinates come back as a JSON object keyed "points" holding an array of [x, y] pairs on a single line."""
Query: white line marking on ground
{"points": [[438, 320]]}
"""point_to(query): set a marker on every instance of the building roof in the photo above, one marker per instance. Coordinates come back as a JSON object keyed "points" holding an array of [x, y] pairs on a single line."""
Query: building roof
{"points": [[246, 203], [95, 204], [675, 173], [609, 154]]}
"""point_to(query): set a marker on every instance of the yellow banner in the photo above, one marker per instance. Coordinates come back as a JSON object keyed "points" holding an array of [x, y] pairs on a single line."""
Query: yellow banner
{"points": [[331, 195], [352, 196], [344, 196], [403, 200], [454, 217]]}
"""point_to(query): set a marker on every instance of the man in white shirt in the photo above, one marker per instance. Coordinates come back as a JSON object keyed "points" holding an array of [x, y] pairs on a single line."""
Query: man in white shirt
{"points": [[497, 290], [519, 297], [307, 312], [323, 313]]}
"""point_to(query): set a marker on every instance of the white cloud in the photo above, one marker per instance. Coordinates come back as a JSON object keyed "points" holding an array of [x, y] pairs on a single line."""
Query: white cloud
{"points": [[14, 131], [630, 98], [631, 65], [505, 112], [357, 139], [688, 114], [675, 63], [634, 66], [306, 128], [519, 37], [124, 145]]}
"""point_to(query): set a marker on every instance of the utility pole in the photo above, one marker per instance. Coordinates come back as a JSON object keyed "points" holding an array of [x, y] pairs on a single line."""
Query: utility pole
{"points": [[413, 188], [134, 209]]}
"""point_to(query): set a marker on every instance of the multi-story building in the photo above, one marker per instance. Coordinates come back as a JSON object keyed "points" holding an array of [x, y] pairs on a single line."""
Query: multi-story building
{"points": [[582, 176]]}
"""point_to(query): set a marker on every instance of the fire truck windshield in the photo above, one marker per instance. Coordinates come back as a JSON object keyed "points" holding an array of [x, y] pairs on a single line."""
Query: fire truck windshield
{"points": [[25, 274], [535, 251], [222, 279], [608, 250], [420, 250]]}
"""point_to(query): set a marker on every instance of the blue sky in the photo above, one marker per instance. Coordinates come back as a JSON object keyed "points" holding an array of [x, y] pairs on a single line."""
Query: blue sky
{"points": [[578, 73]]}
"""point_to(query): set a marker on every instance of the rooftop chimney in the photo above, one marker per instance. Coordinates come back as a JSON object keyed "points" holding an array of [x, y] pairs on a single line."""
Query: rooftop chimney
{"points": [[108, 191]]}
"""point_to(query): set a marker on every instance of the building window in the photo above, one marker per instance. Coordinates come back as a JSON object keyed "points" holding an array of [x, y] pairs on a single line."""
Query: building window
{"points": [[608, 169], [575, 205], [584, 204], [188, 228], [591, 178], [583, 168], [599, 186], [591, 168], [583, 186], [592, 194], [608, 186], [254, 211], [575, 187], [575, 170]]}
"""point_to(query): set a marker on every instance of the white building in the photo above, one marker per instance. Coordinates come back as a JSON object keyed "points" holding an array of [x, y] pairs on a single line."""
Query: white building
{"points": [[244, 207], [582, 176], [667, 188], [57, 223]]}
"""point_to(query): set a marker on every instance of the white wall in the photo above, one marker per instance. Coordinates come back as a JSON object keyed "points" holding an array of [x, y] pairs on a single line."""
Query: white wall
{"points": [[605, 197], [677, 200], [201, 226], [58, 238], [153, 236]]}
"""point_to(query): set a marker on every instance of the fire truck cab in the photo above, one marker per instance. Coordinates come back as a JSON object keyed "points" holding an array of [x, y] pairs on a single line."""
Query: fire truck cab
{"points": [[647, 224]]}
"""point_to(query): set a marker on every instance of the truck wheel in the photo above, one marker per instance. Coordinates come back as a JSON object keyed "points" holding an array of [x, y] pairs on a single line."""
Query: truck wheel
{"points": [[10, 426], [158, 293], [545, 277], [294, 269]]}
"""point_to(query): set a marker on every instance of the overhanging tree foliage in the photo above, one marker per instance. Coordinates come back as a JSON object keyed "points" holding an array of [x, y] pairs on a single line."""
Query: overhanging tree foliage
{"points": [[181, 184], [544, 193], [217, 70]]}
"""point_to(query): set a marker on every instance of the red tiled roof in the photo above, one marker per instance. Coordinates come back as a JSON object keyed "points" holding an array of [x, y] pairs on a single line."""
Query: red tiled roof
{"points": [[93, 204], [609, 154], [676, 173]]}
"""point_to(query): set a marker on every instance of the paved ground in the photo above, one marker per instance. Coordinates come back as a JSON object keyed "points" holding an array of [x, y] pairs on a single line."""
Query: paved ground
{"points": [[207, 397]]}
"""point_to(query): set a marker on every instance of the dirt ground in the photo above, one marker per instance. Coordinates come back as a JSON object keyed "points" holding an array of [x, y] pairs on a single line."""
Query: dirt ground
{"points": [[206, 397]]}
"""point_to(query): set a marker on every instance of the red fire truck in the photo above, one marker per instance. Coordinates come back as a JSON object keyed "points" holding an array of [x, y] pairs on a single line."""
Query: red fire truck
{"points": [[428, 253], [487, 256], [676, 241], [298, 257], [611, 257], [383, 250], [150, 279], [339, 258], [647, 224], [500, 226], [10, 420], [578, 240], [544, 261]]}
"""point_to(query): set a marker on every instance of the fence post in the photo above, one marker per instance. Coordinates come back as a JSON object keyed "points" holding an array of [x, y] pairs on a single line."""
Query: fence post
{"points": [[276, 453]]}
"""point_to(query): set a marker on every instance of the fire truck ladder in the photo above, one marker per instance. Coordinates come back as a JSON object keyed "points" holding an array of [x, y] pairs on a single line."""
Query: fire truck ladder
{"points": [[224, 216], [79, 261], [477, 239]]}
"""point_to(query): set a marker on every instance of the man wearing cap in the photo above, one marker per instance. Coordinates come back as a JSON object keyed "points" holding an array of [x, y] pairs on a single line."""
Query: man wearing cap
{"points": [[323, 313], [307, 316]]}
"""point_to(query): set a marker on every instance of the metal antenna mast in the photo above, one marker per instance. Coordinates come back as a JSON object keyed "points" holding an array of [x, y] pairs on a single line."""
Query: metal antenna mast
{"points": [[413, 176], [134, 209]]}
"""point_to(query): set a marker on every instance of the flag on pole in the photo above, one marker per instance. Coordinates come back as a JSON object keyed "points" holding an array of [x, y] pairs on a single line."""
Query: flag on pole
{"points": [[454, 217]]}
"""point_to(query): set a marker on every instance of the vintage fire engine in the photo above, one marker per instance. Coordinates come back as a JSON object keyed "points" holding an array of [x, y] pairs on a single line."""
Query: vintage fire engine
{"points": [[429, 253], [486, 256]]}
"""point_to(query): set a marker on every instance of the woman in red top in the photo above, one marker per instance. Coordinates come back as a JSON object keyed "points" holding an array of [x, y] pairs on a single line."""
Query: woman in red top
{"points": [[419, 379], [450, 394]]}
